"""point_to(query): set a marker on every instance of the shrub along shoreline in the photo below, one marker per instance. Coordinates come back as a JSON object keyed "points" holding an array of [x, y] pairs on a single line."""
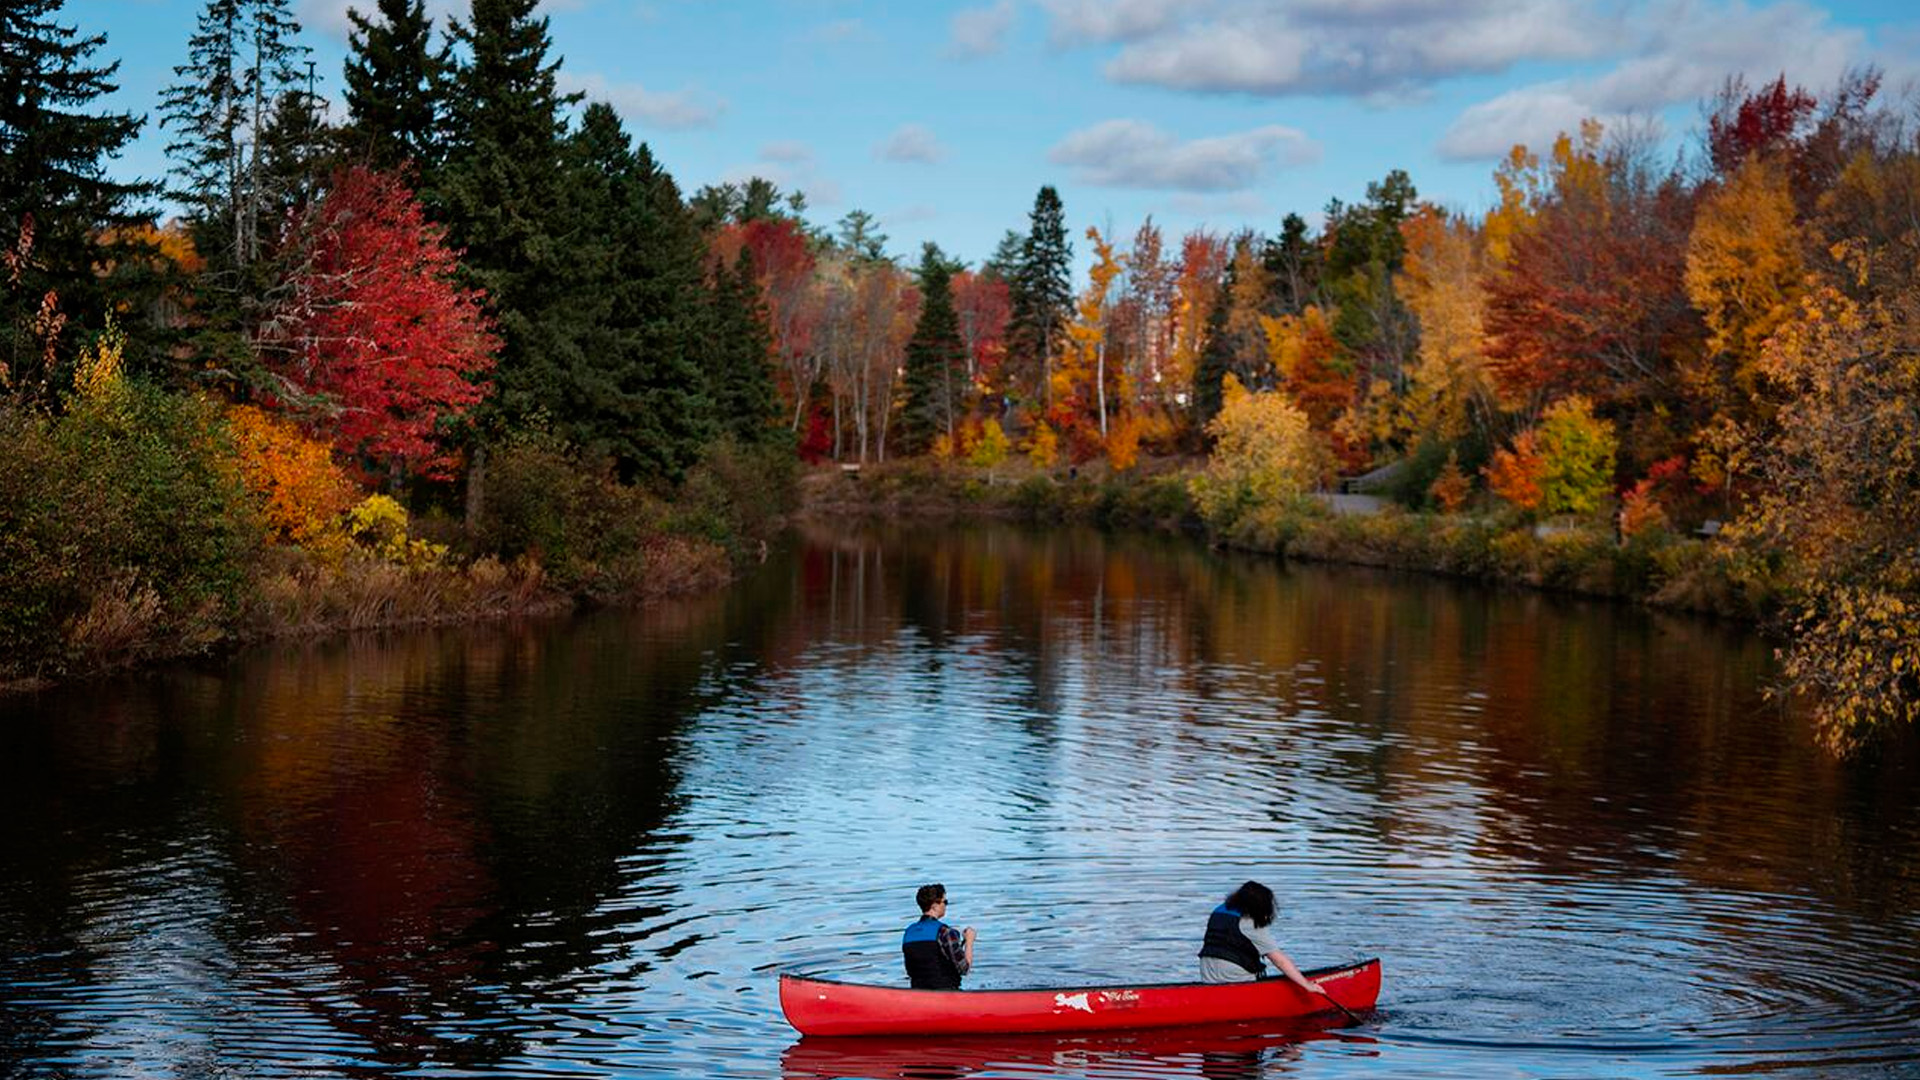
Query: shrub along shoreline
{"points": [[139, 528], [1655, 567]]}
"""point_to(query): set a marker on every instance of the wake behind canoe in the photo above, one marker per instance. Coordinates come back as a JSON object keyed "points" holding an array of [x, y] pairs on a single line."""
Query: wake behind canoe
{"points": [[827, 1007]]}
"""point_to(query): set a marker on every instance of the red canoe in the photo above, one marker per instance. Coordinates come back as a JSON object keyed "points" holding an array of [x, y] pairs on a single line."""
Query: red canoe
{"points": [[826, 1007]]}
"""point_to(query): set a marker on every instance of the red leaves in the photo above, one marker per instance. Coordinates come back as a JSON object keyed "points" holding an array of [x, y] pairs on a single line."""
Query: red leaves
{"points": [[377, 325], [1762, 122]]}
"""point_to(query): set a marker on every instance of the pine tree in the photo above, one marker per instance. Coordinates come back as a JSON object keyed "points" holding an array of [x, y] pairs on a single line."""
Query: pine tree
{"points": [[739, 375], [1042, 292], [54, 191], [936, 358], [394, 79]]}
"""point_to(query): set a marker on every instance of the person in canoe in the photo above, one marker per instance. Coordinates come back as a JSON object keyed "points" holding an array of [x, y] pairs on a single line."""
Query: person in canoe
{"points": [[937, 955], [1238, 939]]}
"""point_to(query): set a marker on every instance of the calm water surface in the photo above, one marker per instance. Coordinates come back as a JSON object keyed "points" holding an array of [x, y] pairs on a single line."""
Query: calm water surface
{"points": [[1579, 836]]}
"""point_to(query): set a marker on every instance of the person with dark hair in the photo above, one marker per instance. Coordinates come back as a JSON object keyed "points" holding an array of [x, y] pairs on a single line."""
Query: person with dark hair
{"points": [[1238, 939], [937, 955]]}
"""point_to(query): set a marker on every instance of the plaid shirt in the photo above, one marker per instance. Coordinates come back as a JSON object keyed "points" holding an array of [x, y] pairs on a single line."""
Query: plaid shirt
{"points": [[955, 945]]}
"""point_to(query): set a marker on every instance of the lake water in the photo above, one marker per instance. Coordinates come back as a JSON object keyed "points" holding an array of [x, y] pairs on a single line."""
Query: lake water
{"points": [[1580, 836]]}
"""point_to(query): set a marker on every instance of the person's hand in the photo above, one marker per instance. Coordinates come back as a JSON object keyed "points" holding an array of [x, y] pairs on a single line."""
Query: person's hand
{"points": [[1315, 987], [967, 934]]}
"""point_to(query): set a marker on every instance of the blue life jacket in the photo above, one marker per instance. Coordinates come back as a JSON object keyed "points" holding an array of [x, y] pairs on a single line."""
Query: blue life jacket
{"points": [[928, 965], [1224, 941]]}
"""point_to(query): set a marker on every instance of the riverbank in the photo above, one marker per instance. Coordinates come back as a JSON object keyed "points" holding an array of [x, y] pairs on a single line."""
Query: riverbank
{"points": [[157, 533], [1656, 567]]}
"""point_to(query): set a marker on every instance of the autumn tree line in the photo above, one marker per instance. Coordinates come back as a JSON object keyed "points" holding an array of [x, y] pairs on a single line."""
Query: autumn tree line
{"points": [[467, 341], [477, 297]]}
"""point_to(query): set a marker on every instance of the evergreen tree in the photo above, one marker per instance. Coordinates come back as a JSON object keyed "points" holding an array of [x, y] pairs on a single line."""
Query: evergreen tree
{"points": [[636, 296], [1004, 263], [505, 197], [54, 192], [739, 374], [241, 59], [394, 80], [936, 357], [1292, 262], [1042, 293], [860, 236], [1216, 358]]}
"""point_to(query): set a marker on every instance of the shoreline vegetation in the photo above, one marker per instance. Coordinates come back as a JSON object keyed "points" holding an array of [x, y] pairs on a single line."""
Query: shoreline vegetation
{"points": [[1657, 568], [467, 348]]}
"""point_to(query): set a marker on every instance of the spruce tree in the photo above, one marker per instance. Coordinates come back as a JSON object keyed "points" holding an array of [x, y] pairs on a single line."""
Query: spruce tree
{"points": [[635, 295], [1216, 359], [242, 58], [936, 358], [1042, 292], [54, 191], [394, 79], [739, 375], [506, 201]]}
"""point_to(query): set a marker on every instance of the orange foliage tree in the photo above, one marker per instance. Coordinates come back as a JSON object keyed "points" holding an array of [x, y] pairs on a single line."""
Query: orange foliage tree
{"points": [[301, 491]]}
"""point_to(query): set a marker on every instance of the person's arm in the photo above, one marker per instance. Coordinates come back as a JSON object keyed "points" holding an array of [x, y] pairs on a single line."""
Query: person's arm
{"points": [[959, 948], [1280, 960]]}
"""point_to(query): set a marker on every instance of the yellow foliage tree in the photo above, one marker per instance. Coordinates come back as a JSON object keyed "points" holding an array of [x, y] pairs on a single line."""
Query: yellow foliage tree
{"points": [[1451, 390], [1451, 488], [990, 447], [1043, 446], [1264, 453], [1745, 275], [301, 490], [1083, 365], [1839, 473], [1521, 189]]}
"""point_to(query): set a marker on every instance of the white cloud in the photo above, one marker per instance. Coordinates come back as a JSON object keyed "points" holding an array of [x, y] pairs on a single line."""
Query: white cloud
{"points": [[1081, 21], [674, 110], [1132, 153], [978, 32], [911, 144], [1681, 52], [1365, 48]]}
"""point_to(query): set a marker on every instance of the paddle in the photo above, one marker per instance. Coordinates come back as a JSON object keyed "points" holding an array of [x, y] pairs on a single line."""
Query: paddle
{"points": [[1341, 1007]]}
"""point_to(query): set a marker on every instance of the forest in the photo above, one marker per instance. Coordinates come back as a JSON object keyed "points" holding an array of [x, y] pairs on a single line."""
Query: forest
{"points": [[470, 347]]}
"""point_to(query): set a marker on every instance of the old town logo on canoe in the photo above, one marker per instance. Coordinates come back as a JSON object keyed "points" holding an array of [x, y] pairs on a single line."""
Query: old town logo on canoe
{"points": [[1072, 1001]]}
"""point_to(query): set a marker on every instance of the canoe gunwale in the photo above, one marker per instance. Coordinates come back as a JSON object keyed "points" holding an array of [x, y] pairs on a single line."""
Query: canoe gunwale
{"points": [[1314, 973]]}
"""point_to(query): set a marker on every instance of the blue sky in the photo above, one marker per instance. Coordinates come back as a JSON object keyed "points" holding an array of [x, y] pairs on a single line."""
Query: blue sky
{"points": [[943, 119]]}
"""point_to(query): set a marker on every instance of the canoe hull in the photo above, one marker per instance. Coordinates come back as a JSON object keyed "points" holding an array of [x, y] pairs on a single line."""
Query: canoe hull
{"points": [[825, 1007]]}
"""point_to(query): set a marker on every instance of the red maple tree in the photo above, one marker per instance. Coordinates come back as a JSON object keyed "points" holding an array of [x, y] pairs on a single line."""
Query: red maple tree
{"points": [[375, 326]]}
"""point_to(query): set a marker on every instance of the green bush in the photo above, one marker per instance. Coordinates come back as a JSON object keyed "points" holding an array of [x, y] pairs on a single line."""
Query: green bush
{"points": [[124, 526], [738, 496], [586, 529]]}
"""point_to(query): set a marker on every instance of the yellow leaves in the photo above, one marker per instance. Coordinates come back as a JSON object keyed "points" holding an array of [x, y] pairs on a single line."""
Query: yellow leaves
{"points": [[1521, 187], [1744, 271], [1264, 453], [1440, 283], [379, 526], [991, 447], [97, 372], [1043, 446]]}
